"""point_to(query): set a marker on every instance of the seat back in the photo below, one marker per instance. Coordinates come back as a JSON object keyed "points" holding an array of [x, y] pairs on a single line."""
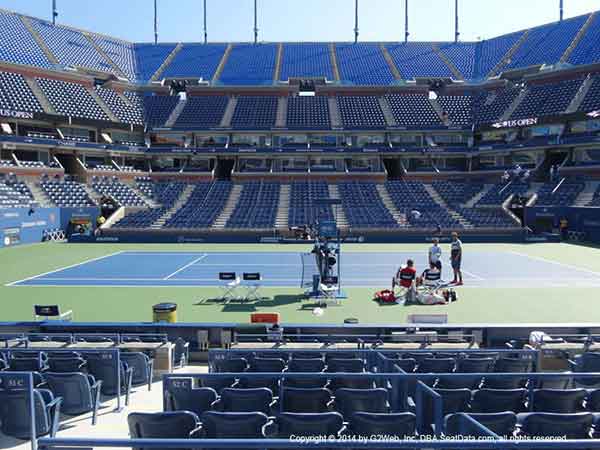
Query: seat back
{"points": [[305, 400], [436, 365], [75, 390], [165, 425], [453, 401], [26, 365], [65, 365], [15, 413], [513, 365], [499, 400], [306, 365], [409, 365], [308, 424], [559, 400], [102, 367], [267, 365], [233, 425], [271, 383], [501, 423], [139, 362], [354, 365], [570, 426], [475, 365], [400, 425], [350, 401], [185, 398], [231, 365], [246, 400]]}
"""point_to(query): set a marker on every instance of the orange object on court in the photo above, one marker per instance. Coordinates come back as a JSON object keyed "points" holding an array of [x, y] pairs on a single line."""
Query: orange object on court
{"points": [[264, 318]]}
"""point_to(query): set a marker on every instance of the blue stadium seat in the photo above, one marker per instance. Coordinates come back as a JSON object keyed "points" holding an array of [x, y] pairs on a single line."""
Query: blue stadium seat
{"points": [[306, 60], [80, 392], [289, 425]]}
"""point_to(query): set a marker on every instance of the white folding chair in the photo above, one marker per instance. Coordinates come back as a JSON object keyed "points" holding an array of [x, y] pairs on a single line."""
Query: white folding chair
{"points": [[229, 285], [252, 281]]}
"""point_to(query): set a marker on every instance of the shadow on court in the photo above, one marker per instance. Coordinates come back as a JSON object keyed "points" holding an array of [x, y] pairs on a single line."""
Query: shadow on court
{"points": [[241, 305]]}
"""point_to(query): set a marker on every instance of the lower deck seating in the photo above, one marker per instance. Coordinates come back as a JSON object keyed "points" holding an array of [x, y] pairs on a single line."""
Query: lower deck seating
{"points": [[14, 194], [553, 194], [122, 193], [487, 218], [66, 193], [500, 192], [203, 206], [141, 219], [257, 206], [303, 209], [363, 206]]}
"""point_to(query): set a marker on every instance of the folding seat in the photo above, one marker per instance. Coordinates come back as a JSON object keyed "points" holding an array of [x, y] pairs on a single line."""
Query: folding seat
{"points": [[15, 413], [267, 365], [509, 365], [271, 383], [80, 392], [142, 367], [408, 365], [498, 400], [305, 400], [66, 365], [233, 425], [245, 400], [453, 401], [349, 401], [26, 365], [305, 382], [231, 365], [307, 424], [436, 365], [104, 369], [501, 423], [546, 425], [353, 365], [163, 425], [417, 356], [306, 365], [182, 397], [558, 400], [394, 425], [341, 355], [587, 362]]}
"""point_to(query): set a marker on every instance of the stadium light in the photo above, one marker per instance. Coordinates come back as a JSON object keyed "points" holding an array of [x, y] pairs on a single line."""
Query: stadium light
{"points": [[561, 4], [255, 21], [54, 12], [406, 33], [456, 31], [355, 21], [155, 22], [205, 31]]}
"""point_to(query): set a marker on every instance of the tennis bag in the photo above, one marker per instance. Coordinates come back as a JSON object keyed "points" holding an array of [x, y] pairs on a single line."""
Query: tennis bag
{"points": [[385, 296]]}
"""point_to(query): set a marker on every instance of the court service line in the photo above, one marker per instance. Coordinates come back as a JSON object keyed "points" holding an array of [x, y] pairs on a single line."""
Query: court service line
{"points": [[549, 261], [471, 274], [197, 260], [65, 268]]}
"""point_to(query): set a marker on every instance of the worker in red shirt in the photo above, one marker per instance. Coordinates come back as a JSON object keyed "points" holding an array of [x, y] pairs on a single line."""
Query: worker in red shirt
{"points": [[405, 278]]}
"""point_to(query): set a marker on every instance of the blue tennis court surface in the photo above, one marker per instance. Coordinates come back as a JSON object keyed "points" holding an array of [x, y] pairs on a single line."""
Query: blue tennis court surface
{"points": [[369, 269]]}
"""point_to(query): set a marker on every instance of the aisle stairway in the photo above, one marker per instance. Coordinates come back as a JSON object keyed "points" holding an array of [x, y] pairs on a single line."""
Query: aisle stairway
{"points": [[440, 201], [282, 217], [229, 207], [399, 217], [181, 201]]}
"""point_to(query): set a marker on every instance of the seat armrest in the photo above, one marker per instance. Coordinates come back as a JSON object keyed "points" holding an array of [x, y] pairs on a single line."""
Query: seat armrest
{"points": [[150, 373], [197, 433], [53, 410]]}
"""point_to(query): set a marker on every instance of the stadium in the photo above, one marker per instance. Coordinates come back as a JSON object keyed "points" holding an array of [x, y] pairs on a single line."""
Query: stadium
{"points": [[322, 244]]}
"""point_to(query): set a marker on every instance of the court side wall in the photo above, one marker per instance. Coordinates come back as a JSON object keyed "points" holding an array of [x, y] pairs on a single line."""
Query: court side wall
{"points": [[582, 220], [26, 226]]}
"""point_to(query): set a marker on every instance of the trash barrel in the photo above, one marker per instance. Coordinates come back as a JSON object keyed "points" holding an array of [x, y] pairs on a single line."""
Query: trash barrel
{"points": [[165, 312]]}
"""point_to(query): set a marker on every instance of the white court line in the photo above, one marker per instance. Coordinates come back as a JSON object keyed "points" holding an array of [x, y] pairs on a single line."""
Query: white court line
{"points": [[471, 274], [549, 261], [168, 277], [65, 268]]}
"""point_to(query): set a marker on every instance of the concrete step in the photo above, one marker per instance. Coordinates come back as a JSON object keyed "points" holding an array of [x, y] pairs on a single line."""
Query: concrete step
{"points": [[36, 36], [229, 207], [472, 202], [450, 64], [506, 59], [176, 113], [182, 200], [282, 216], [580, 34], [41, 97], [387, 112], [166, 62], [108, 59], [221, 65], [587, 195], [103, 106], [39, 196], [277, 70], [334, 113], [334, 64], [281, 118], [580, 96], [399, 217], [514, 105], [388, 58], [435, 195], [439, 111], [228, 114]]}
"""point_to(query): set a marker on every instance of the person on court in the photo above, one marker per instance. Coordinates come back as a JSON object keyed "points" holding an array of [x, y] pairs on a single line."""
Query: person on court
{"points": [[435, 253], [456, 258], [406, 278], [432, 277]]}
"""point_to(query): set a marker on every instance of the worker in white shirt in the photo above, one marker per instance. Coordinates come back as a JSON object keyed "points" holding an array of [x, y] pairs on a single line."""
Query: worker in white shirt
{"points": [[435, 253]]}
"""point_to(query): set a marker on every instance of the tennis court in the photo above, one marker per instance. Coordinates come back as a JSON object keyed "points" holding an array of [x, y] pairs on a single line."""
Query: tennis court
{"points": [[508, 269]]}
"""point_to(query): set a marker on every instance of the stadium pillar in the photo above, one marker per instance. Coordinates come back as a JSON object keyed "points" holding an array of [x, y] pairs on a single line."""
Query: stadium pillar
{"points": [[54, 12], [456, 31], [255, 22], [155, 22], [355, 21], [205, 31], [406, 33]]}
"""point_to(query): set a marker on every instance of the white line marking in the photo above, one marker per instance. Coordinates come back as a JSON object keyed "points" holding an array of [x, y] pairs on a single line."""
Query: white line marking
{"points": [[65, 268], [549, 261], [168, 277], [471, 274]]}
